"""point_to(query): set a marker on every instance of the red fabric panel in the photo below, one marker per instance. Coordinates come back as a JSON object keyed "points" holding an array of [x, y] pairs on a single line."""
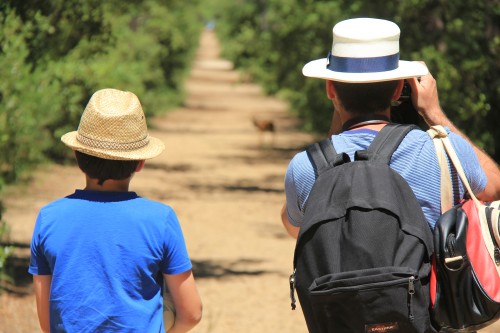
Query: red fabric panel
{"points": [[433, 282], [483, 265]]}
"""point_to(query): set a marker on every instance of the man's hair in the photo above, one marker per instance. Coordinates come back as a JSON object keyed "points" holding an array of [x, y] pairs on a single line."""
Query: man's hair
{"points": [[365, 98], [103, 169]]}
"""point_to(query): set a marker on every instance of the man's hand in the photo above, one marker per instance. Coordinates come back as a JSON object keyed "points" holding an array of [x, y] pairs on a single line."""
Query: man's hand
{"points": [[425, 99]]}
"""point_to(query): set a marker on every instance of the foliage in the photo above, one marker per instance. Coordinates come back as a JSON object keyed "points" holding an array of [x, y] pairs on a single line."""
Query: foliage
{"points": [[4, 250], [55, 54], [459, 41]]}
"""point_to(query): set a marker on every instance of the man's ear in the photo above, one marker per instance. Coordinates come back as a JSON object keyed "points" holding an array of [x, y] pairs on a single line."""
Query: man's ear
{"points": [[330, 89], [140, 166], [397, 92]]}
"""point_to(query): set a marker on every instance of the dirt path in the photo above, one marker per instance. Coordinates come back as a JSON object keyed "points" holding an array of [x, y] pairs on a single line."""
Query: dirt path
{"points": [[225, 181]]}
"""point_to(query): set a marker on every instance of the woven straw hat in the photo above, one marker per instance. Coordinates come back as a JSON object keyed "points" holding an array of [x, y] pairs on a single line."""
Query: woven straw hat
{"points": [[113, 126], [364, 50]]}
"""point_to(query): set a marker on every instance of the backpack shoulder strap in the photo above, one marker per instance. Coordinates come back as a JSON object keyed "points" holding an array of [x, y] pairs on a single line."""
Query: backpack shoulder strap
{"points": [[323, 155], [385, 143]]}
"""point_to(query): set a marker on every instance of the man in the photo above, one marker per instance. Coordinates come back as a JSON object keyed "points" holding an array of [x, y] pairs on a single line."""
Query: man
{"points": [[363, 76]]}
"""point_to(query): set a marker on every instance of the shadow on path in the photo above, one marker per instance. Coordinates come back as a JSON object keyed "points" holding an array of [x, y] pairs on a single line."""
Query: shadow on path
{"points": [[225, 269]]}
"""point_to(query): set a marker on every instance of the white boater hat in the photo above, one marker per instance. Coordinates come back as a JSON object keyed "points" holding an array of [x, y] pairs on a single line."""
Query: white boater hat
{"points": [[364, 50]]}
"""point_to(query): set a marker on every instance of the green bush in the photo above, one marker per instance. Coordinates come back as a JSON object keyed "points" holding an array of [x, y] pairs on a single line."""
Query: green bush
{"points": [[23, 93], [4, 250], [55, 54]]}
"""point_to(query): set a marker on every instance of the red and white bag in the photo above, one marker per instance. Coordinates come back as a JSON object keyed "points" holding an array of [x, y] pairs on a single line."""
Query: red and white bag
{"points": [[465, 280]]}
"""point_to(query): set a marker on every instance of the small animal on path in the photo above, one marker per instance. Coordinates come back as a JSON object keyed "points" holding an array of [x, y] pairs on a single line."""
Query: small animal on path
{"points": [[264, 126]]}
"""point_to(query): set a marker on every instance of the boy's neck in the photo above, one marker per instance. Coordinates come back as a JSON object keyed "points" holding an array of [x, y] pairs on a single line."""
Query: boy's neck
{"points": [[109, 185]]}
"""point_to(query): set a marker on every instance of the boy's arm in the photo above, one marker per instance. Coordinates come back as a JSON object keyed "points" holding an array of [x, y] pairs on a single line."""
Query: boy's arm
{"points": [[426, 101], [187, 302], [41, 284]]}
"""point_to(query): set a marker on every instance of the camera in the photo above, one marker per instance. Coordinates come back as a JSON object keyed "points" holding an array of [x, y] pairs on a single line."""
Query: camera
{"points": [[405, 93], [402, 110]]}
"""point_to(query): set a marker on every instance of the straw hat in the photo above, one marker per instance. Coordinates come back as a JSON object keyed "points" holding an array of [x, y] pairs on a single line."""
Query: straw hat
{"points": [[364, 50], [113, 126]]}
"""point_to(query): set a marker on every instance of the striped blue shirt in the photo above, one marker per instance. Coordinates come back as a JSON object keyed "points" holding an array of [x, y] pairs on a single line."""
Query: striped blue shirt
{"points": [[415, 160]]}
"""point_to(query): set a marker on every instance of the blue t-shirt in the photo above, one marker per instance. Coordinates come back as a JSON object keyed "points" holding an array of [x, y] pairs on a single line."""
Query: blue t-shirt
{"points": [[105, 251], [415, 160]]}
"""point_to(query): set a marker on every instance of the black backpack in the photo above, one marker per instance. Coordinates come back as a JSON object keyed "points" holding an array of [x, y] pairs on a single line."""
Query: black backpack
{"points": [[363, 256]]}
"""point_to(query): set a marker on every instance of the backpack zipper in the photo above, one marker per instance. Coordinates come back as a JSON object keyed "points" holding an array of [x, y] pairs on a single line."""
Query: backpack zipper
{"points": [[488, 212], [411, 292], [292, 289]]}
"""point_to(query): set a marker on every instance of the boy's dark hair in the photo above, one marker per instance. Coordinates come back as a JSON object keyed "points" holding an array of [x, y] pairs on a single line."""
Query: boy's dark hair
{"points": [[103, 169], [365, 98]]}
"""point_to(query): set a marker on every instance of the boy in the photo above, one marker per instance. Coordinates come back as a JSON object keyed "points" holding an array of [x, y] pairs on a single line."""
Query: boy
{"points": [[96, 254]]}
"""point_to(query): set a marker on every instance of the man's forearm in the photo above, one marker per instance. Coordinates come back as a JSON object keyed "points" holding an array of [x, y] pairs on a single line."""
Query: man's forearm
{"points": [[490, 168], [426, 100]]}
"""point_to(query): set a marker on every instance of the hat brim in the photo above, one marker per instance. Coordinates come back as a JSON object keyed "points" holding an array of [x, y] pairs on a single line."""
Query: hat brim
{"points": [[407, 69], [154, 148]]}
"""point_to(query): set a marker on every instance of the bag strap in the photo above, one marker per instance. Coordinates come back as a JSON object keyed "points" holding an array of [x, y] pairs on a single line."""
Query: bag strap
{"points": [[385, 143], [364, 120], [436, 133], [440, 138], [324, 155]]}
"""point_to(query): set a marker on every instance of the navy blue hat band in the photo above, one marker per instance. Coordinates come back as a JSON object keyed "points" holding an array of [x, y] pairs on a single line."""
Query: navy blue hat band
{"points": [[362, 65]]}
